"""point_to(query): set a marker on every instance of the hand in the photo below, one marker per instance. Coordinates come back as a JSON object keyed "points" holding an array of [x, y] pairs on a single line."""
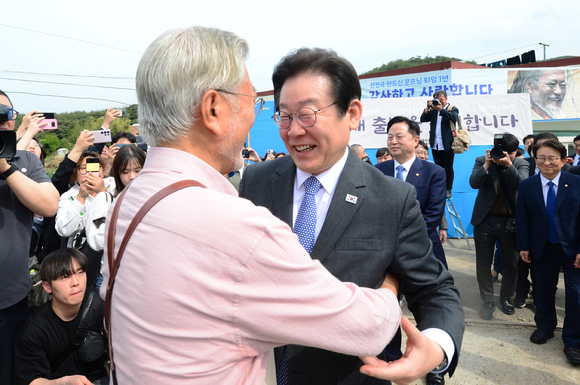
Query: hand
{"points": [[488, 160], [526, 256], [26, 119], [94, 183], [421, 356], [84, 191], [442, 235], [34, 126], [391, 282], [111, 115], [254, 157], [84, 141], [505, 161], [4, 166], [577, 261], [74, 380], [570, 160], [438, 107]]}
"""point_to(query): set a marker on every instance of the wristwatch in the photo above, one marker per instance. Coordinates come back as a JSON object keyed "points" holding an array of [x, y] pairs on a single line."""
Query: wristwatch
{"points": [[7, 173], [442, 365]]}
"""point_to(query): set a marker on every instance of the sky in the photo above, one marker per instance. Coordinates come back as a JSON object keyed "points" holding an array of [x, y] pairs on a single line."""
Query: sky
{"points": [[70, 53]]}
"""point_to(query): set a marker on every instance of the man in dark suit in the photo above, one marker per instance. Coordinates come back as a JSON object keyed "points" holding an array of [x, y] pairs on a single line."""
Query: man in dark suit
{"points": [[428, 178], [548, 232], [440, 136], [497, 179], [360, 235]]}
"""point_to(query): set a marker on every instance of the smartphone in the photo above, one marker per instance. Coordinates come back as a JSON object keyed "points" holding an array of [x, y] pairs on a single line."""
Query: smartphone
{"points": [[93, 164], [124, 144], [101, 136], [122, 114], [49, 119]]}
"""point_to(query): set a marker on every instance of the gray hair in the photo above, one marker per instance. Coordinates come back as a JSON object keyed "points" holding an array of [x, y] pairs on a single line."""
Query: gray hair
{"points": [[176, 70], [524, 77]]}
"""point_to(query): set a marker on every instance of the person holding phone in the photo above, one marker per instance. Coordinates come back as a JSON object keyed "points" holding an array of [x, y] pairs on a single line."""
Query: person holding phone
{"points": [[75, 205]]}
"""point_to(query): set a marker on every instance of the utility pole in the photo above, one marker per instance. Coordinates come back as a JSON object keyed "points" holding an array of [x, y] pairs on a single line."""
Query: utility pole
{"points": [[545, 45]]}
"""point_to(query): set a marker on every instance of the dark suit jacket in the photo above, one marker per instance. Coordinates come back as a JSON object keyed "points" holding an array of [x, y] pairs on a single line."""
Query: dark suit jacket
{"points": [[358, 243], [429, 181], [532, 220], [487, 185], [573, 170], [446, 116]]}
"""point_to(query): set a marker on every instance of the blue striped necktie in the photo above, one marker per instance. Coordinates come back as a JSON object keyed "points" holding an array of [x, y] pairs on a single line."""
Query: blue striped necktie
{"points": [[550, 210], [399, 175]]}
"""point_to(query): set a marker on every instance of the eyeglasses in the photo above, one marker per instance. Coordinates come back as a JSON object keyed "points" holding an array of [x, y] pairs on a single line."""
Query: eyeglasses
{"points": [[552, 85], [422, 153], [9, 112], [259, 101], [551, 159], [305, 116]]}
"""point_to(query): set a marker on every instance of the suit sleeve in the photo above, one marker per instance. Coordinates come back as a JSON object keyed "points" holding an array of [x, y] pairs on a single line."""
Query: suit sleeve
{"points": [[435, 208], [425, 117], [523, 220], [63, 174], [427, 285], [450, 115], [478, 174]]}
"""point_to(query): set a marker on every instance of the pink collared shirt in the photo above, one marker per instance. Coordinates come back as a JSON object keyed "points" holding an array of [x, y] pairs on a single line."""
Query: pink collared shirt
{"points": [[209, 283]]}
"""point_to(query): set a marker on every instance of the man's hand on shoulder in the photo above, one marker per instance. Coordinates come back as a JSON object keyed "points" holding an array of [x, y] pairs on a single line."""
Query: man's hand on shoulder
{"points": [[68, 380], [421, 356]]}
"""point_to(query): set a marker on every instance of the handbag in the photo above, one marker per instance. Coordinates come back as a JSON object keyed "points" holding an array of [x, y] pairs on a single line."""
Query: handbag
{"points": [[114, 263], [461, 136]]}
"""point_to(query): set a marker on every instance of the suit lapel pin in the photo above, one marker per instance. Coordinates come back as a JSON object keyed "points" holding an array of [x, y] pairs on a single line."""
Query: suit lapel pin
{"points": [[417, 174], [351, 199], [565, 185]]}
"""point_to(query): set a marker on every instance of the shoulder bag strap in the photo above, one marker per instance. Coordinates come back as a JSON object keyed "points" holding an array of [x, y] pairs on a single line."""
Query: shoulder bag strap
{"points": [[115, 262]]}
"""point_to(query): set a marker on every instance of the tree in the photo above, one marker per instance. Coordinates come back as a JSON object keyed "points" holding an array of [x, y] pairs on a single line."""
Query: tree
{"points": [[413, 62], [51, 143]]}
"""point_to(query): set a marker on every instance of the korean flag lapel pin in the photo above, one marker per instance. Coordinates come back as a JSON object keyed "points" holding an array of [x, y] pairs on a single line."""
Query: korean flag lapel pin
{"points": [[351, 199]]}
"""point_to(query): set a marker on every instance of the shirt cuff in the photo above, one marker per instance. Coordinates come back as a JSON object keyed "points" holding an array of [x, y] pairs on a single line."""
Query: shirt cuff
{"points": [[443, 339]]}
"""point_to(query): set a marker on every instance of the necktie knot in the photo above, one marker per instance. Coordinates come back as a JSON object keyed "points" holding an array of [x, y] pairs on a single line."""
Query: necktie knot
{"points": [[312, 185], [551, 184], [400, 169]]}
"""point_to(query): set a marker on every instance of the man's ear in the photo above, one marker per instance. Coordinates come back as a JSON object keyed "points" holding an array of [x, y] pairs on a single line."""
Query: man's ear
{"points": [[46, 286], [211, 111], [355, 113]]}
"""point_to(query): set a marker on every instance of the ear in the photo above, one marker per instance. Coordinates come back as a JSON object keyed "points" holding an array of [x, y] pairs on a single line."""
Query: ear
{"points": [[211, 111], [355, 114], [416, 140], [46, 286]]}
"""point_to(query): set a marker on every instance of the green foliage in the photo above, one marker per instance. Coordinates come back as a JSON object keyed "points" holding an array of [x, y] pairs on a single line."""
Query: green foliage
{"points": [[413, 62], [71, 124]]}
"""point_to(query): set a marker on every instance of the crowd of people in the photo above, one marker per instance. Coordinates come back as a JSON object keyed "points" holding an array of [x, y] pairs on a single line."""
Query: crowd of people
{"points": [[296, 283]]}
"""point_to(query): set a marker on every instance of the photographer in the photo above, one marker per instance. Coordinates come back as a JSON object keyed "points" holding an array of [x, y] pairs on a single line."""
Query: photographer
{"points": [[497, 176], [24, 189], [440, 114]]}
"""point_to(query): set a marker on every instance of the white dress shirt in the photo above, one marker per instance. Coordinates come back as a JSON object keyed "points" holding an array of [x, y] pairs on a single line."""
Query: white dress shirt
{"points": [[546, 188]]}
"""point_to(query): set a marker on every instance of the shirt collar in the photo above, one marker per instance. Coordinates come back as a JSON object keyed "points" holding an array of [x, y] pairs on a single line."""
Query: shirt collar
{"points": [[328, 179], [162, 159], [407, 165], [545, 180]]}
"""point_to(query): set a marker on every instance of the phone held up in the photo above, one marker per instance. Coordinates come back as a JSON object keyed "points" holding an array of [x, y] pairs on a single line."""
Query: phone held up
{"points": [[49, 119], [93, 164]]}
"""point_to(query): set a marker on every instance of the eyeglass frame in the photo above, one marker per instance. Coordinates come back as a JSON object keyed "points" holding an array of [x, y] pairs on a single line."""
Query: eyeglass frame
{"points": [[290, 118], [258, 99], [540, 161], [14, 112]]}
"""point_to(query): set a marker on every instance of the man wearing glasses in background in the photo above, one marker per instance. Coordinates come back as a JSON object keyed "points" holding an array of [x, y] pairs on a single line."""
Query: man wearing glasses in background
{"points": [[25, 189], [336, 205]]}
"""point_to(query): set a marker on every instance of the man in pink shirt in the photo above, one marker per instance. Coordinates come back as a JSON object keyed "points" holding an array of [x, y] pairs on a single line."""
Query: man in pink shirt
{"points": [[209, 283]]}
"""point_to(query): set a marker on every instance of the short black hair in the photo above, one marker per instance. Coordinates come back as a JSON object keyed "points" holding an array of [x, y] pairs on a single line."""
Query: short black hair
{"points": [[529, 136], [541, 136], [422, 143], [577, 137], [520, 151], [510, 142], [437, 93], [345, 85], [123, 134], [555, 144], [59, 264], [7, 97], [412, 126], [382, 152]]}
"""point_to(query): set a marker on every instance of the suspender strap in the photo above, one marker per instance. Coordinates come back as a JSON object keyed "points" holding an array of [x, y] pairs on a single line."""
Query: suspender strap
{"points": [[114, 263]]}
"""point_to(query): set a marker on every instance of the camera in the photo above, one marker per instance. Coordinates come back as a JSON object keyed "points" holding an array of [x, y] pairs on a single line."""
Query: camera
{"points": [[497, 150], [436, 102], [245, 153], [7, 143]]}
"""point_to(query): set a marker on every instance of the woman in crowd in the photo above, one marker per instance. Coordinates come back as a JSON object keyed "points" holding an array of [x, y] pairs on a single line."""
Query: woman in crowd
{"points": [[127, 164]]}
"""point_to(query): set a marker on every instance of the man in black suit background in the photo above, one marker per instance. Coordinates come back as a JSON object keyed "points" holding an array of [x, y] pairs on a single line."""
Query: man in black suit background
{"points": [[548, 232], [360, 235], [497, 179], [428, 178], [439, 113]]}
